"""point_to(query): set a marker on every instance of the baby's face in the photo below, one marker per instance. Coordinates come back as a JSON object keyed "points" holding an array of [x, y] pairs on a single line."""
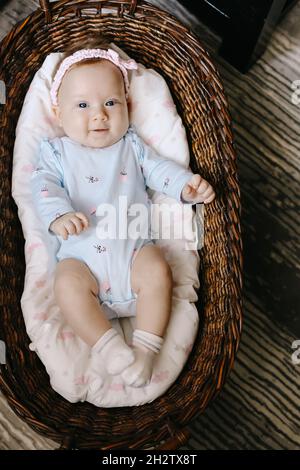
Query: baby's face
{"points": [[92, 107]]}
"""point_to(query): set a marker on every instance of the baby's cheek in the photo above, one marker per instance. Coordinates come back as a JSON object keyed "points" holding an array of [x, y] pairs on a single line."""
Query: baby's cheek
{"points": [[75, 123]]}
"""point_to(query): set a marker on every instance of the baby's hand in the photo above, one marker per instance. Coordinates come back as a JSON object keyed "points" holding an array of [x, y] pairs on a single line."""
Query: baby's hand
{"points": [[69, 224], [198, 190]]}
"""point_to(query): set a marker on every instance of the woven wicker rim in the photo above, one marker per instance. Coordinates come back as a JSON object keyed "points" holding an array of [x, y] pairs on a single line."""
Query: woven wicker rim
{"points": [[156, 39]]}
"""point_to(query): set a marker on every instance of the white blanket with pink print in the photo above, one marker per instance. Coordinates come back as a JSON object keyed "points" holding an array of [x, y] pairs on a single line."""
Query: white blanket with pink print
{"points": [[72, 370]]}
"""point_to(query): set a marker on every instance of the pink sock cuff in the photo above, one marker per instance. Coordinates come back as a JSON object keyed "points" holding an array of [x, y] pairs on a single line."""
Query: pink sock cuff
{"points": [[104, 339], [148, 340]]}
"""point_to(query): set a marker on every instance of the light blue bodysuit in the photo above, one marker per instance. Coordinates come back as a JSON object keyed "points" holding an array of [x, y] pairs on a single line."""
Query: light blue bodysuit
{"points": [[71, 177]]}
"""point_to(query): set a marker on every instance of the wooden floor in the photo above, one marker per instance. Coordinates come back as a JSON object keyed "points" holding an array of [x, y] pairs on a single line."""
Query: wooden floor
{"points": [[259, 406]]}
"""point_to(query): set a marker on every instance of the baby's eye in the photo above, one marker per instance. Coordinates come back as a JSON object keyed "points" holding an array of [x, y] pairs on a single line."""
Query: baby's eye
{"points": [[110, 103], [83, 104]]}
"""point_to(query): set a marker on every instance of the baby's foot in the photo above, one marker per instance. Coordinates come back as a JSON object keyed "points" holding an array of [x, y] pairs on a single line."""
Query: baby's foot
{"points": [[139, 373], [146, 345], [114, 352]]}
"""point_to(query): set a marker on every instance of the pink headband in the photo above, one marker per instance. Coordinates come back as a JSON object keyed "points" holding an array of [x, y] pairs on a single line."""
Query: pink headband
{"points": [[110, 54]]}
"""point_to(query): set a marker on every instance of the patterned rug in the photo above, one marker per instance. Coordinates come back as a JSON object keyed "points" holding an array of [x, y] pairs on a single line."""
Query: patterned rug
{"points": [[259, 407]]}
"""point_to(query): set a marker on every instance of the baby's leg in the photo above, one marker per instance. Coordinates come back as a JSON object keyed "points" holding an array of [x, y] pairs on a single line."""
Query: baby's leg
{"points": [[151, 280], [76, 291]]}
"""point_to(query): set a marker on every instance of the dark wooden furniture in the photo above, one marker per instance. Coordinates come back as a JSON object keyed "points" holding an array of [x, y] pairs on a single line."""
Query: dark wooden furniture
{"points": [[244, 25]]}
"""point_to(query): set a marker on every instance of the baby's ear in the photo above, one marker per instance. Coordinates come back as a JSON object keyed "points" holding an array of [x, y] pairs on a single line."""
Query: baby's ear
{"points": [[56, 112]]}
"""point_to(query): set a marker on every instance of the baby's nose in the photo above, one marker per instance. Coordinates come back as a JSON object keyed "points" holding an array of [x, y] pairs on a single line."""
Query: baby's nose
{"points": [[100, 113]]}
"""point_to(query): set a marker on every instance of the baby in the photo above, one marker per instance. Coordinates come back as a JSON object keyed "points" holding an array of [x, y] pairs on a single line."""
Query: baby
{"points": [[100, 160]]}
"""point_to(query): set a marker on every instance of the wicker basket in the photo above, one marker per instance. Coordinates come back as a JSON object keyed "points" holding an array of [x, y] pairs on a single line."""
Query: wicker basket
{"points": [[156, 39]]}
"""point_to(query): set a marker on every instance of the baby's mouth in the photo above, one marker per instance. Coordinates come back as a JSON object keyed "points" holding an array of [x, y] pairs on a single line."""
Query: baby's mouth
{"points": [[99, 130]]}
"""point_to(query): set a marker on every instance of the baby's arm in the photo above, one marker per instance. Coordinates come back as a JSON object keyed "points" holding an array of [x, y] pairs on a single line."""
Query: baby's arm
{"points": [[50, 197], [167, 176]]}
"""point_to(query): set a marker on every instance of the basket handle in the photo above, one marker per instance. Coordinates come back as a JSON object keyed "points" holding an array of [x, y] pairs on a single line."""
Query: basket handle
{"points": [[46, 6]]}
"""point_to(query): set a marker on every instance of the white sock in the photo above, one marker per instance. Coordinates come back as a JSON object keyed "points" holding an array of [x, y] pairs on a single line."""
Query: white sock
{"points": [[114, 352], [146, 346]]}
